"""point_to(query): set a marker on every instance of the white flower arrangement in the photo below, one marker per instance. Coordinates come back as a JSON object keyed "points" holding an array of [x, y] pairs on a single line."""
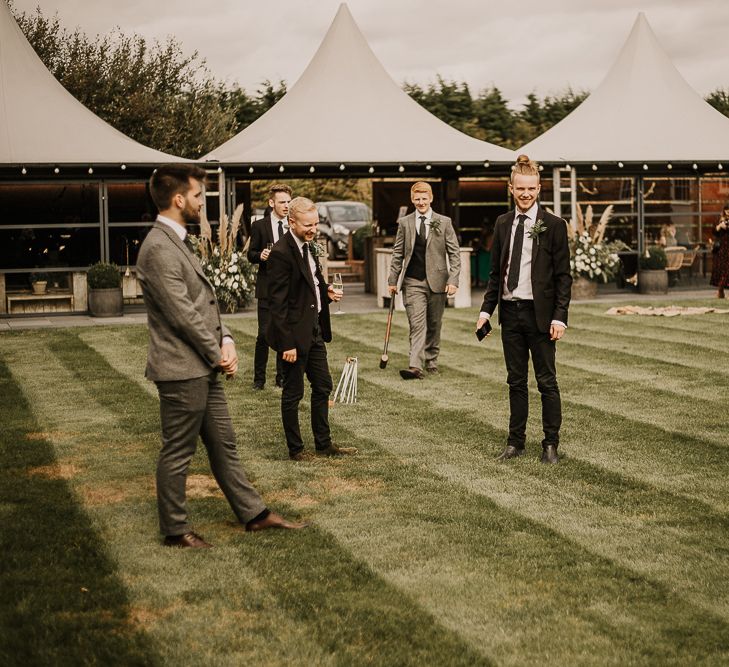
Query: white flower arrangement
{"points": [[591, 256], [226, 267]]}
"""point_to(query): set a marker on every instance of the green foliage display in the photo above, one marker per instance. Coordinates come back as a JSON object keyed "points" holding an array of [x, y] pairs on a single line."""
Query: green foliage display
{"points": [[654, 258], [358, 240], [39, 277], [103, 275]]}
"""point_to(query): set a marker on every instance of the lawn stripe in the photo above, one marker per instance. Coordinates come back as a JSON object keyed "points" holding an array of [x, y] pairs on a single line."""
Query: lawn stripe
{"points": [[374, 418], [448, 546], [350, 621], [689, 352], [634, 501], [57, 579]]}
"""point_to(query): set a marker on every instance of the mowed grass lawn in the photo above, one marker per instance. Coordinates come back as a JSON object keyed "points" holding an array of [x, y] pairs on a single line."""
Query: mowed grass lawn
{"points": [[423, 549]]}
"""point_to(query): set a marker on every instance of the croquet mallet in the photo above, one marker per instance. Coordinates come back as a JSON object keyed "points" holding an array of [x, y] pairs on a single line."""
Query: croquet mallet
{"points": [[384, 357]]}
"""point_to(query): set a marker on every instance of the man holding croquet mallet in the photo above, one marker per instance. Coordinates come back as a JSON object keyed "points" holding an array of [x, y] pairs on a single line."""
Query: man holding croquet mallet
{"points": [[531, 283], [426, 263]]}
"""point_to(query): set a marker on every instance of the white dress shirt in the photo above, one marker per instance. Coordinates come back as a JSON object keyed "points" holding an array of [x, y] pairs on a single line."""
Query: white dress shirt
{"points": [[312, 266], [524, 287], [176, 226], [274, 225], [428, 216]]}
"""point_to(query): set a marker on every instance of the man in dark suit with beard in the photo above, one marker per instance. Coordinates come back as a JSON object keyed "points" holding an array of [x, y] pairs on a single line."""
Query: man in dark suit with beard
{"points": [[299, 328], [531, 283], [264, 233], [189, 345]]}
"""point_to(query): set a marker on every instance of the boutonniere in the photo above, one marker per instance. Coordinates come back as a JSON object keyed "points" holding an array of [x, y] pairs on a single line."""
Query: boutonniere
{"points": [[315, 249], [435, 226], [536, 230]]}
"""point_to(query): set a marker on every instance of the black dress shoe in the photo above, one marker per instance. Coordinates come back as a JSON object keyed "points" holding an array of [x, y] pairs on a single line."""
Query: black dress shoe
{"points": [[510, 452], [412, 374], [257, 386], [186, 541], [549, 454], [333, 450], [273, 520]]}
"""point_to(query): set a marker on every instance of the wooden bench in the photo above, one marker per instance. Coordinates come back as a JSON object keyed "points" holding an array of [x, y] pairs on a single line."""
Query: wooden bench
{"points": [[50, 299]]}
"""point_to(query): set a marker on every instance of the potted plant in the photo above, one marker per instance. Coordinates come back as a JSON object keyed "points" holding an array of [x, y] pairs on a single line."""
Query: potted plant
{"points": [[652, 274], [105, 291], [39, 282], [592, 259]]}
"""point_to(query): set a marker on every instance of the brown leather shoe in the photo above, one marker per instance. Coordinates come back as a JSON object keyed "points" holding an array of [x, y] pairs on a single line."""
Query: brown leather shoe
{"points": [[549, 454], [333, 450], [274, 520], [412, 374], [187, 541], [510, 452], [301, 456]]}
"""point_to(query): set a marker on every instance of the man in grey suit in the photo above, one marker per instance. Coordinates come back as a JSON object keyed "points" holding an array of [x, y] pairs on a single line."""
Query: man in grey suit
{"points": [[188, 347], [426, 263]]}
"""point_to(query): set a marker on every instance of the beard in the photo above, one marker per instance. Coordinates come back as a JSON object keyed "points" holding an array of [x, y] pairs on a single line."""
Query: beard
{"points": [[190, 215]]}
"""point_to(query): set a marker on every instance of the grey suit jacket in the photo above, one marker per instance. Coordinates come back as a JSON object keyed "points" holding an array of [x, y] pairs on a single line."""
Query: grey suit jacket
{"points": [[185, 329], [441, 244]]}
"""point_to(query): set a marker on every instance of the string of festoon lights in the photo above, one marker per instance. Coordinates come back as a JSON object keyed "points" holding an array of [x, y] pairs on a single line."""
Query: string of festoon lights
{"points": [[24, 170]]}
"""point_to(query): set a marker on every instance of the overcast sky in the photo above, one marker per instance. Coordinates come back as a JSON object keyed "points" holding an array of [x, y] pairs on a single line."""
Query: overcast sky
{"points": [[520, 46]]}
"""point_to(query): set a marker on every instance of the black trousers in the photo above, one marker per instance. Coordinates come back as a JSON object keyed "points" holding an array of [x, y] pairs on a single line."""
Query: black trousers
{"points": [[260, 357], [316, 368], [520, 337], [190, 409]]}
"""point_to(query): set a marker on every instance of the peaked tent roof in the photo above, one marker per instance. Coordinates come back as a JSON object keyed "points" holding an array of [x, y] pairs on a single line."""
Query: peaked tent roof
{"points": [[42, 123], [346, 108], [643, 111]]}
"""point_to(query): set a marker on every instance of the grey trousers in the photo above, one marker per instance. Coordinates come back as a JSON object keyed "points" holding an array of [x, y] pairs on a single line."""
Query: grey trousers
{"points": [[189, 408], [425, 316]]}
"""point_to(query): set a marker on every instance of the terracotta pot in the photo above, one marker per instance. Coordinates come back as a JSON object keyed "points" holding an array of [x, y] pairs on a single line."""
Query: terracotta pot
{"points": [[39, 286], [583, 288], [653, 281], [106, 302]]}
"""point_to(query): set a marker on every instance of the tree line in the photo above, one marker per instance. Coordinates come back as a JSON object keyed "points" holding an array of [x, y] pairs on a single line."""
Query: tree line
{"points": [[155, 93]]}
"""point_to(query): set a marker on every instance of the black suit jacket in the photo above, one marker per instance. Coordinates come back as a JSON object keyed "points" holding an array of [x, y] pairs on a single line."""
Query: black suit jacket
{"points": [[551, 276], [261, 235], [292, 300]]}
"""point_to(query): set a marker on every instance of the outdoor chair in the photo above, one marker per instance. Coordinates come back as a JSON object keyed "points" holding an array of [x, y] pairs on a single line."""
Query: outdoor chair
{"points": [[674, 262]]}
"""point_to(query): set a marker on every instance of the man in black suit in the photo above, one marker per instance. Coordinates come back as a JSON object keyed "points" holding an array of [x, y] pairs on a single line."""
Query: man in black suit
{"points": [[531, 283], [189, 346], [264, 233], [300, 326]]}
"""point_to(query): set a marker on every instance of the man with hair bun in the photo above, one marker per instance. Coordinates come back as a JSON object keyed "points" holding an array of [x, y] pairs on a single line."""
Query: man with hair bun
{"points": [[426, 263], [531, 284]]}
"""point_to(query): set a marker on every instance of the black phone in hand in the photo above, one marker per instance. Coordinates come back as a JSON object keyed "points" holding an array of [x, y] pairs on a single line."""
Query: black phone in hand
{"points": [[484, 331]]}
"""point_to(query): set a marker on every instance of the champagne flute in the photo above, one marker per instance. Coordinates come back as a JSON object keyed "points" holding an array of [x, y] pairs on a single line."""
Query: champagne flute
{"points": [[338, 288]]}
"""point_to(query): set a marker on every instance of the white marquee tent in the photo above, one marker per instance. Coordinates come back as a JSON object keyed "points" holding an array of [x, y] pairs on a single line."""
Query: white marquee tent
{"points": [[346, 108], [42, 123], [643, 111]]}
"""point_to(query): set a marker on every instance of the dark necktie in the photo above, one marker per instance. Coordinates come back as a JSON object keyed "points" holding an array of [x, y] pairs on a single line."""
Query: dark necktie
{"points": [[515, 263], [280, 229], [422, 226], [305, 253]]}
